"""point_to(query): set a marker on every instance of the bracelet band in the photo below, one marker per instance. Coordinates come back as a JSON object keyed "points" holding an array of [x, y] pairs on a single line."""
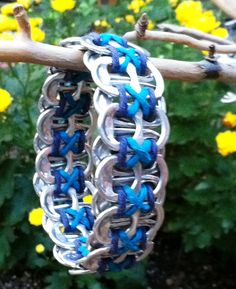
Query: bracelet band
{"points": [[100, 168]]}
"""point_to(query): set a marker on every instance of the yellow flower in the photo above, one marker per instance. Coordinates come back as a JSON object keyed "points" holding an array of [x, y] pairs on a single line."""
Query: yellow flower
{"points": [[191, 14], [40, 248], [226, 142], [62, 5], [130, 19], [220, 32], [206, 22], [205, 52], [8, 9], [7, 23], [104, 24], [88, 199], [35, 217], [136, 5], [97, 23], [230, 120], [118, 19], [150, 25], [173, 3], [188, 10], [37, 34], [25, 3], [37, 1], [36, 21], [6, 36], [5, 100]]}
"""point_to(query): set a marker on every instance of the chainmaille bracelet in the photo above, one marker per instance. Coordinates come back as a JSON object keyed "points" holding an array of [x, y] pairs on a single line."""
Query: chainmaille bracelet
{"points": [[100, 169]]}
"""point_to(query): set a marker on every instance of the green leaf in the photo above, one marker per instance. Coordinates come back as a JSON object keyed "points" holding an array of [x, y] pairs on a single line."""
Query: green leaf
{"points": [[7, 170], [58, 280], [202, 186], [23, 201], [6, 237]]}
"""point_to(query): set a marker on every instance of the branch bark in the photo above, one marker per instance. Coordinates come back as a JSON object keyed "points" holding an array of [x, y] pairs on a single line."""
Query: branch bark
{"points": [[23, 22], [28, 51], [228, 6], [181, 39], [192, 32], [40, 53], [68, 58]]}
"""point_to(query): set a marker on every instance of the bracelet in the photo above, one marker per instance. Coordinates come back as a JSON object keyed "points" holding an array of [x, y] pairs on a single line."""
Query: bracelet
{"points": [[100, 168]]}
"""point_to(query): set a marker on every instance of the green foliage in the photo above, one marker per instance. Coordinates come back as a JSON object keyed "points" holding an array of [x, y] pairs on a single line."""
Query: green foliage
{"points": [[201, 202], [133, 278]]}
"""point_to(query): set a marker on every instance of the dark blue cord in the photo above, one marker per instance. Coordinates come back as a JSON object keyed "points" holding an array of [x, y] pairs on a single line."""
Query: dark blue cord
{"points": [[122, 243], [71, 218], [73, 143], [64, 181], [142, 201], [146, 153]]}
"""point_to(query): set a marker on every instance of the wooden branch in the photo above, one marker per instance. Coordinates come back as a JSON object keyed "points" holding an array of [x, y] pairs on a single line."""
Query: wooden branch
{"points": [[196, 71], [228, 6], [181, 39], [28, 51], [40, 53], [23, 22], [68, 58], [141, 25], [192, 32], [203, 42]]}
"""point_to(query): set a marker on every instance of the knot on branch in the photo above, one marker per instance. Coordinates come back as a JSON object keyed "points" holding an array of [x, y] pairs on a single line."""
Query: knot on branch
{"points": [[23, 21], [211, 67], [212, 51], [141, 25]]}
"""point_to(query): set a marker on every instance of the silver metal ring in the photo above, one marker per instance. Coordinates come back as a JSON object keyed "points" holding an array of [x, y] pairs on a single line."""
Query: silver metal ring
{"points": [[46, 124], [106, 127], [104, 179], [101, 77], [47, 202]]}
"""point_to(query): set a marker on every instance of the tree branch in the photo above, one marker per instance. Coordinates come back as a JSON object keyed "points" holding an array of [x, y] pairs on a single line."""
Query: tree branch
{"points": [[141, 25], [23, 22], [28, 51], [68, 58], [181, 39], [40, 53], [192, 32], [228, 6]]}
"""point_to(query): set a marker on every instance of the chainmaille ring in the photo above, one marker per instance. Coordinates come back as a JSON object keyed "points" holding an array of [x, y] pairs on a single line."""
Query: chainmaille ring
{"points": [[100, 168]]}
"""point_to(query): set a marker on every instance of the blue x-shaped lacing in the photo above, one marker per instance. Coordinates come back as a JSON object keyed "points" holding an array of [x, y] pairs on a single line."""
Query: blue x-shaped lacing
{"points": [[142, 201], [140, 101], [71, 218], [134, 56], [104, 38], [122, 243], [74, 143], [64, 181], [137, 58], [68, 106], [145, 153], [81, 249]]}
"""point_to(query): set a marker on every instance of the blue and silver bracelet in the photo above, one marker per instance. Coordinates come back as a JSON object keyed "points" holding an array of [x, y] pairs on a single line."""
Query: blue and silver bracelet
{"points": [[104, 144]]}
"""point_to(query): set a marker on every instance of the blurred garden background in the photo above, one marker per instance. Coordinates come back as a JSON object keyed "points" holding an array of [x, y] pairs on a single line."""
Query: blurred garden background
{"points": [[196, 247]]}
